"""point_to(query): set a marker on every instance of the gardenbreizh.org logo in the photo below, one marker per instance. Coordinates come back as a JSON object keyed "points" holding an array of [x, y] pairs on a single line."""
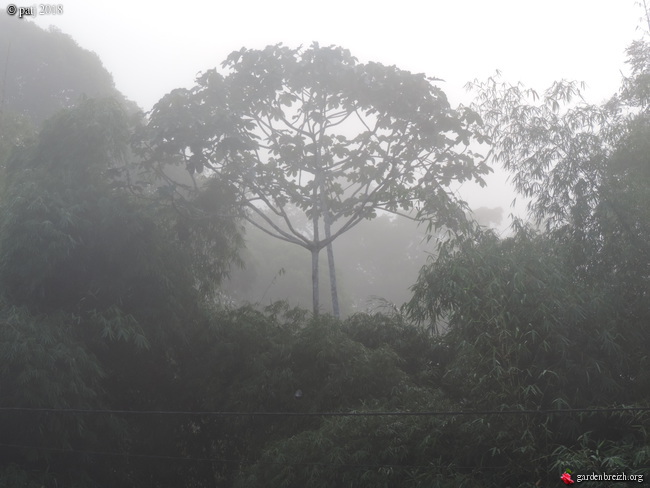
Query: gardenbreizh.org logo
{"points": [[569, 477], [566, 477]]}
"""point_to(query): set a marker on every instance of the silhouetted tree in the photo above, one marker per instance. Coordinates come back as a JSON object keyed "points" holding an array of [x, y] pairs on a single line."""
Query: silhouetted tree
{"points": [[315, 129]]}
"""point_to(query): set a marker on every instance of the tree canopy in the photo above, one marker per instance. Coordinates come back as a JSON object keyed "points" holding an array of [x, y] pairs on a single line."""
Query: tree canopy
{"points": [[44, 71], [100, 292], [316, 130]]}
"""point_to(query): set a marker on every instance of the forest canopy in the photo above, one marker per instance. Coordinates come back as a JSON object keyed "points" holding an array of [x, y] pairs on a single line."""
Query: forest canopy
{"points": [[518, 359]]}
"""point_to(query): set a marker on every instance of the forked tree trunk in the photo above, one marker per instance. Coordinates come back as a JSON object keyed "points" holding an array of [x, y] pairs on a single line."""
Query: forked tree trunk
{"points": [[330, 254]]}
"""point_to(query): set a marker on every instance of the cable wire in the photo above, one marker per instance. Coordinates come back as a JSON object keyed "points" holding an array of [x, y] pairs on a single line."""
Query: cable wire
{"points": [[326, 414], [231, 461], [288, 414]]}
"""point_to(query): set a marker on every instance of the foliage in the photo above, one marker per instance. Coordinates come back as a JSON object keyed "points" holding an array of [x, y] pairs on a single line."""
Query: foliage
{"points": [[525, 333], [72, 236], [554, 320], [109, 267], [351, 451], [316, 130], [100, 297], [45, 363], [14, 131], [42, 72], [256, 362]]}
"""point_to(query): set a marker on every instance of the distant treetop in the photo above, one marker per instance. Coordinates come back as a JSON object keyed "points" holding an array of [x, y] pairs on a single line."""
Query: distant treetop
{"points": [[44, 71]]}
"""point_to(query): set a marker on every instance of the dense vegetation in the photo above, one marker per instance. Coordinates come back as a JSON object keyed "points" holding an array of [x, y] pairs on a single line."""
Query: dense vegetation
{"points": [[117, 352]]}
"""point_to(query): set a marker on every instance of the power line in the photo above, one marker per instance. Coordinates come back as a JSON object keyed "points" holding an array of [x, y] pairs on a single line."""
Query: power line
{"points": [[232, 461], [434, 413], [245, 462], [288, 414], [108, 453]]}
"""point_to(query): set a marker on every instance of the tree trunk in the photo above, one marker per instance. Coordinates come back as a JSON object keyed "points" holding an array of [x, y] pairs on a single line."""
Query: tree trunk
{"points": [[332, 270], [314, 280], [330, 253], [314, 254]]}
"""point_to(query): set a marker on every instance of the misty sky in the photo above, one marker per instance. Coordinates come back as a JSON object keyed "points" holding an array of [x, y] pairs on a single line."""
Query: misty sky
{"points": [[153, 47]]}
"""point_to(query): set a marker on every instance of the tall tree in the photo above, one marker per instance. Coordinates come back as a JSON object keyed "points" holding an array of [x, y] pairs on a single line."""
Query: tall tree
{"points": [[315, 129]]}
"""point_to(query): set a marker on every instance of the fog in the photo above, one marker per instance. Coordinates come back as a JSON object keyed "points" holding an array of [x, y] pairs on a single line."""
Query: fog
{"points": [[151, 49], [285, 271]]}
